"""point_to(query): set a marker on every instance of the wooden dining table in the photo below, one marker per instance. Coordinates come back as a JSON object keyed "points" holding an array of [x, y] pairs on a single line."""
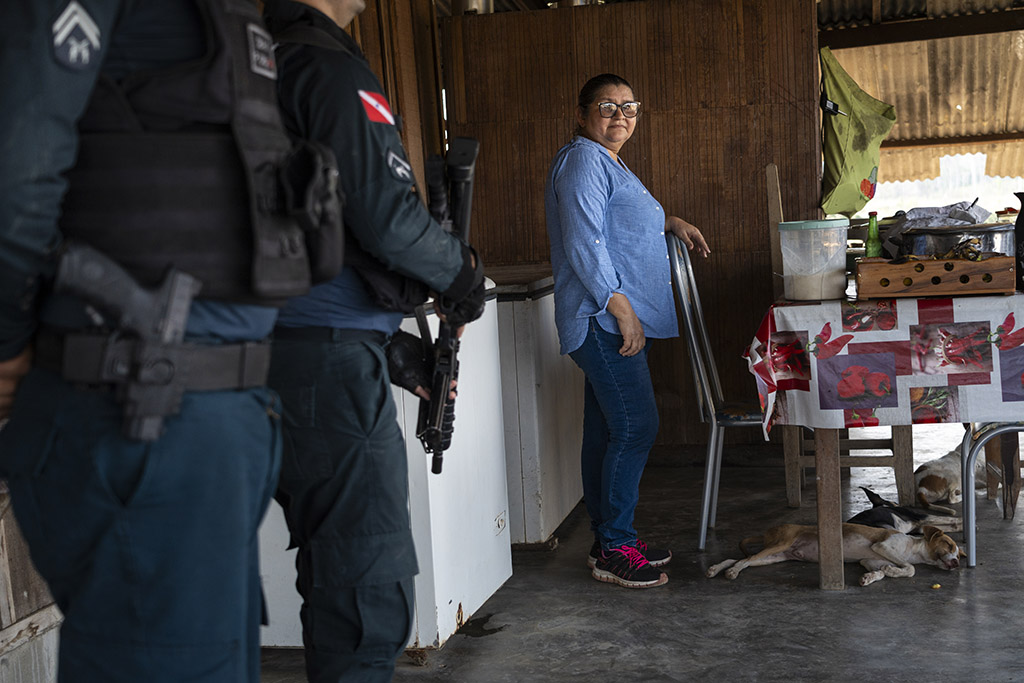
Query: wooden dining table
{"points": [[832, 365]]}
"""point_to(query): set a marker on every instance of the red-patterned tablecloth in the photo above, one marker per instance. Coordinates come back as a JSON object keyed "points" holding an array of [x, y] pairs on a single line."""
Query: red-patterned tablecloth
{"points": [[838, 364]]}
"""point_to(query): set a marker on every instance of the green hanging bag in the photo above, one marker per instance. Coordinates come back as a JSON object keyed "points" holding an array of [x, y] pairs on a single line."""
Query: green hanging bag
{"points": [[851, 139]]}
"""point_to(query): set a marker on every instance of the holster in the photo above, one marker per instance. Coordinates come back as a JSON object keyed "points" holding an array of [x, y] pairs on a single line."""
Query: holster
{"points": [[150, 378]]}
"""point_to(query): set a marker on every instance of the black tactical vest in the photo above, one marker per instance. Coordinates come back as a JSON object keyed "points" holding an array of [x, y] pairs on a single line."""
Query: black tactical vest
{"points": [[183, 166]]}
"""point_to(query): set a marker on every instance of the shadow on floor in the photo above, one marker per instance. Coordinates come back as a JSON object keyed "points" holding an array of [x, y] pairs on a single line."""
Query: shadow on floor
{"points": [[551, 622]]}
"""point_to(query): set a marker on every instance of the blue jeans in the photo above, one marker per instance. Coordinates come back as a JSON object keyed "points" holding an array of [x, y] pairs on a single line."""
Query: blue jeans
{"points": [[620, 423]]}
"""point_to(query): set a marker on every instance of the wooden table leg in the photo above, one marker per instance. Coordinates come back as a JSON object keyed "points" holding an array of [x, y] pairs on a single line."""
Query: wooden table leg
{"points": [[830, 523], [903, 462], [791, 438], [1008, 445], [993, 468]]}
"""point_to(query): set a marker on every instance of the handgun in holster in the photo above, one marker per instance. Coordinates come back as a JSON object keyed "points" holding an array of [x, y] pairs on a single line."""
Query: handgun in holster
{"points": [[150, 378]]}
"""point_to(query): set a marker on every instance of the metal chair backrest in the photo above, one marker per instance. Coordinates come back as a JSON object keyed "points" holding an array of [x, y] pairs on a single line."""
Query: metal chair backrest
{"points": [[702, 360]]}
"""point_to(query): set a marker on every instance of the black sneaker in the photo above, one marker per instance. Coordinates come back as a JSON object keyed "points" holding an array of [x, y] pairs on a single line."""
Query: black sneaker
{"points": [[656, 557], [627, 567]]}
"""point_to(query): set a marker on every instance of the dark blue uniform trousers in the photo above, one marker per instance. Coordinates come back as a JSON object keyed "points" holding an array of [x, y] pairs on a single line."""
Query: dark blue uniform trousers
{"points": [[344, 489], [150, 549]]}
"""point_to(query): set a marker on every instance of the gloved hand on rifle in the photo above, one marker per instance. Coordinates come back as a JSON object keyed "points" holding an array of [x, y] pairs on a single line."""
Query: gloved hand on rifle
{"points": [[465, 311], [470, 307], [409, 368]]}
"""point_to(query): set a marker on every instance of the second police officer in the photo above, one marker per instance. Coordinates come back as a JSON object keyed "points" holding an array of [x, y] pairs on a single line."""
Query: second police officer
{"points": [[344, 485]]}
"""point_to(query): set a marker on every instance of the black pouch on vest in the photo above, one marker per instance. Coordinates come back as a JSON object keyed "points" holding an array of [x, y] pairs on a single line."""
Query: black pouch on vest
{"points": [[309, 188], [390, 290]]}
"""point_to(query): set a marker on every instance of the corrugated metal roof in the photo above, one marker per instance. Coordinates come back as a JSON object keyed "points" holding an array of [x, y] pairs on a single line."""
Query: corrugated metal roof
{"points": [[954, 88], [849, 13], [958, 88]]}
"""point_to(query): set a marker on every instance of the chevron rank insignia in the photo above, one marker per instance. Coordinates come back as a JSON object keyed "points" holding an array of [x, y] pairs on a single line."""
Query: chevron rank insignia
{"points": [[400, 168], [76, 37]]}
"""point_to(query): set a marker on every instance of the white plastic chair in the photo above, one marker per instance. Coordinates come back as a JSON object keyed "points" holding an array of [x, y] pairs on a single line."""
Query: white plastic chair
{"points": [[974, 442], [714, 409]]}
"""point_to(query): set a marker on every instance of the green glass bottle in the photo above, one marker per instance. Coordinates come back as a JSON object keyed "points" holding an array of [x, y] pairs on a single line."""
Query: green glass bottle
{"points": [[873, 246]]}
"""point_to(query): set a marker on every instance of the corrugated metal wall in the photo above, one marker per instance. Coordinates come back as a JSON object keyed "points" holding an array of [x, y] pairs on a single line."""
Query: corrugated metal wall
{"points": [[727, 87]]}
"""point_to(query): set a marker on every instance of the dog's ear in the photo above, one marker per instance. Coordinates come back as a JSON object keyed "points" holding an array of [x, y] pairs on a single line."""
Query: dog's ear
{"points": [[961, 552], [876, 500], [929, 532]]}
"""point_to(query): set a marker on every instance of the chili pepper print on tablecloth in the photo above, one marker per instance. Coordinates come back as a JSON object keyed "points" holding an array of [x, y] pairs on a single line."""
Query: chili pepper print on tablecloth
{"points": [[788, 358], [1005, 337], [951, 349], [891, 361], [934, 404], [862, 316], [826, 347]]}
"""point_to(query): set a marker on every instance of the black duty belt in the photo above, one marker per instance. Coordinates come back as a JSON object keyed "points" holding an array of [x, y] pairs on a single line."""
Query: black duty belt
{"points": [[105, 359], [328, 334]]}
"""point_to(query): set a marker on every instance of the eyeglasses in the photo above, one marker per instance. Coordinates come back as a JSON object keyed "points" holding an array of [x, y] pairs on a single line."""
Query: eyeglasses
{"points": [[629, 109]]}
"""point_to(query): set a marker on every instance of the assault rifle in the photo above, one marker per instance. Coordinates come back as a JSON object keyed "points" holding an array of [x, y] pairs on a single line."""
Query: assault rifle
{"points": [[450, 188]]}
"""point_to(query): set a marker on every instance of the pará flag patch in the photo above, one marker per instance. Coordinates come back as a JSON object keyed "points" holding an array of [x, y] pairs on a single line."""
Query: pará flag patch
{"points": [[377, 109]]}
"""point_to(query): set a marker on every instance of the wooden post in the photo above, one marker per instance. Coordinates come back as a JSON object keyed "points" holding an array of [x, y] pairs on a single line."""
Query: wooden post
{"points": [[1010, 451], [830, 523], [792, 449], [903, 462], [774, 218], [993, 468]]}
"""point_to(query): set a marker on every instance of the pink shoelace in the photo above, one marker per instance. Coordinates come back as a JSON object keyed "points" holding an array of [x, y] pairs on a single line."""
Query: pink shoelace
{"points": [[635, 557]]}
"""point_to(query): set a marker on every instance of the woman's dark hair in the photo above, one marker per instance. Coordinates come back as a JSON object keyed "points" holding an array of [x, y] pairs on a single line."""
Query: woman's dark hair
{"points": [[590, 89]]}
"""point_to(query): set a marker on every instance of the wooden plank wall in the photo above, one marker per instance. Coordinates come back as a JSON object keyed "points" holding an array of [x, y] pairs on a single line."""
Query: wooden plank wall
{"points": [[727, 86], [26, 608], [399, 40]]}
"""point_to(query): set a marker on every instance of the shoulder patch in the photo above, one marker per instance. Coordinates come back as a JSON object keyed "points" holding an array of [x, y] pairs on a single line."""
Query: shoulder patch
{"points": [[376, 106], [76, 37], [400, 168], [261, 52]]}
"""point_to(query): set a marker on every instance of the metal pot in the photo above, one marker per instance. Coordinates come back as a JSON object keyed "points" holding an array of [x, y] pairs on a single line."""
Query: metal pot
{"points": [[938, 240]]}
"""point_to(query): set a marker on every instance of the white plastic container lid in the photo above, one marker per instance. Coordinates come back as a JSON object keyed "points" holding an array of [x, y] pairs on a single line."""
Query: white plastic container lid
{"points": [[827, 224]]}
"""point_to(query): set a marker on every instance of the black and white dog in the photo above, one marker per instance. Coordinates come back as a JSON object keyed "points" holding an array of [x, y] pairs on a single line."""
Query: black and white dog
{"points": [[888, 515]]}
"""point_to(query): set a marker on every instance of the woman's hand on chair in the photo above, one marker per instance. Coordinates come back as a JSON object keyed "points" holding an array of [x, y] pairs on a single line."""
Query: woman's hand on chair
{"points": [[632, 331], [689, 234]]}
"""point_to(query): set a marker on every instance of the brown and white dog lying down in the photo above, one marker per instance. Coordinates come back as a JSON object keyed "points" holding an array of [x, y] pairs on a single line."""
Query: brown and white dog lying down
{"points": [[883, 552], [939, 480]]}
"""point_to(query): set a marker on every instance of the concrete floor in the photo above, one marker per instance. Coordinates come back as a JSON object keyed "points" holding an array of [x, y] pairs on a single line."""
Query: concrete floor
{"points": [[551, 622]]}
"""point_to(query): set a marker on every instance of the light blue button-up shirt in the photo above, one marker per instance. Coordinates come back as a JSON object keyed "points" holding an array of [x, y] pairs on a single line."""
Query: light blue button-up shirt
{"points": [[607, 235]]}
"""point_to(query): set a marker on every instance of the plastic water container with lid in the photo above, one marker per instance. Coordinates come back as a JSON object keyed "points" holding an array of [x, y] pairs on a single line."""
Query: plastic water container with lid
{"points": [[814, 258]]}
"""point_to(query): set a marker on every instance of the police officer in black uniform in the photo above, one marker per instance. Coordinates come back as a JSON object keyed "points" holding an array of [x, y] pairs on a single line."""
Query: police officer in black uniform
{"points": [[344, 479], [142, 446]]}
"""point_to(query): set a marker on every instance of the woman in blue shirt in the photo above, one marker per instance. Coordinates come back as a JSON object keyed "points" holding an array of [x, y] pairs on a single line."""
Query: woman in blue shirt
{"points": [[613, 294]]}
